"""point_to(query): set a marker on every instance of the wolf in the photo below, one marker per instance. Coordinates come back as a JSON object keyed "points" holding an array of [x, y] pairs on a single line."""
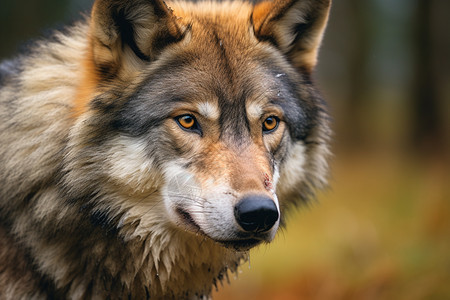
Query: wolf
{"points": [[146, 148]]}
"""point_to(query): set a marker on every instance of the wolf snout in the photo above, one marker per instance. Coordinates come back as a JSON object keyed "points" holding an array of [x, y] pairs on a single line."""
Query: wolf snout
{"points": [[256, 213]]}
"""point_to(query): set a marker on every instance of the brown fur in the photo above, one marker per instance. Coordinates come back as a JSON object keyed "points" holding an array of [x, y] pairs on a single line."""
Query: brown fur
{"points": [[104, 196]]}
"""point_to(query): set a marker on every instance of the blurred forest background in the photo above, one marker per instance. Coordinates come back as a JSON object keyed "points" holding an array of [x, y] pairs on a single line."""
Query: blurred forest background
{"points": [[382, 231]]}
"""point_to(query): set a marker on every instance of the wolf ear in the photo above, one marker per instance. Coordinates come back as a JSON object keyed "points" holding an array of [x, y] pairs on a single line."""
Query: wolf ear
{"points": [[131, 31], [296, 27]]}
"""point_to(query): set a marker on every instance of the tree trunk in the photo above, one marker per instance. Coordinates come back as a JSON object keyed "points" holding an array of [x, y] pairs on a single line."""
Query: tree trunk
{"points": [[427, 136]]}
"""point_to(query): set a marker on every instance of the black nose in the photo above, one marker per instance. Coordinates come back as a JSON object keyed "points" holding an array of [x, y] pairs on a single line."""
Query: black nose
{"points": [[256, 213]]}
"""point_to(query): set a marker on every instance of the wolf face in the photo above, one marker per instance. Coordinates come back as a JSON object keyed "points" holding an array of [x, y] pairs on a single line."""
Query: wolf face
{"points": [[210, 106], [181, 131]]}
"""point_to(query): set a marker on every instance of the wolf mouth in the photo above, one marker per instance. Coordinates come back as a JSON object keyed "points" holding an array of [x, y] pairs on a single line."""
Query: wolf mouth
{"points": [[241, 244], [188, 220]]}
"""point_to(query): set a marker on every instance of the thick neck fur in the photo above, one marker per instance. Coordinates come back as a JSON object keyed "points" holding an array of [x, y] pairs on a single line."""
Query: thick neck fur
{"points": [[93, 261]]}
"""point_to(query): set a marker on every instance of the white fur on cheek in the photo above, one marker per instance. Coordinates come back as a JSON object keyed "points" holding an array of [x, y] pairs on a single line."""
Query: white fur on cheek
{"points": [[181, 189], [275, 178], [130, 164], [293, 170]]}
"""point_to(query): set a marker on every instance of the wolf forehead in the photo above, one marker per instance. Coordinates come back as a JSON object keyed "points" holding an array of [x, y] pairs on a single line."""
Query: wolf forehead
{"points": [[219, 87], [215, 60]]}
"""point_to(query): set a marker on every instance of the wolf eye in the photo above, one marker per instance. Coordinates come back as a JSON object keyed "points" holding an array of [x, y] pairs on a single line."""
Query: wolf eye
{"points": [[270, 124], [188, 122]]}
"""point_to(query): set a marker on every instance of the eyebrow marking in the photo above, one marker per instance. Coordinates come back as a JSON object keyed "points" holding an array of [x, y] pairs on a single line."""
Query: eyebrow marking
{"points": [[254, 110], [208, 110]]}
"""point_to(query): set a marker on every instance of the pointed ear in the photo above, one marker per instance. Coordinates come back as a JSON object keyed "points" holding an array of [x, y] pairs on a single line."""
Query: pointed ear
{"points": [[296, 27], [131, 31]]}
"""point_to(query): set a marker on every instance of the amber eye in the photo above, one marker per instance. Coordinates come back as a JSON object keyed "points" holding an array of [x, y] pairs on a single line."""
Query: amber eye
{"points": [[186, 121], [270, 124]]}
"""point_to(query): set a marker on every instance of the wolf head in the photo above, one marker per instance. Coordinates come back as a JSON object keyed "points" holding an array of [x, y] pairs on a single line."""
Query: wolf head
{"points": [[200, 117]]}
